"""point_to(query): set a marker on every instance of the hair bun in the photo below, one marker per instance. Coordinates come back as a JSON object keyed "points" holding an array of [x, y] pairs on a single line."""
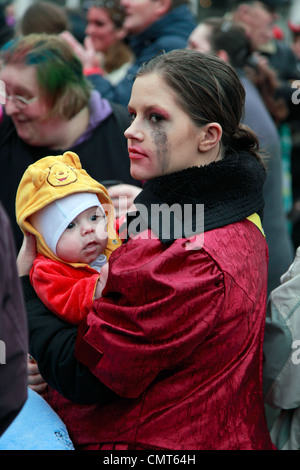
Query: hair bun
{"points": [[244, 139]]}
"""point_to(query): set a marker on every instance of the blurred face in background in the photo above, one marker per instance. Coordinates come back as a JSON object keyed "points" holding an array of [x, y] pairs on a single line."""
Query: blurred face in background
{"points": [[102, 29], [296, 46], [199, 39], [262, 29], [29, 120], [140, 14], [258, 23]]}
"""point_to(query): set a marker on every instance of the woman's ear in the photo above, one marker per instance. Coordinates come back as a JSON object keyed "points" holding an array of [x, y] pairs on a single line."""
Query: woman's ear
{"points": [[210, 136], [223, 55]]}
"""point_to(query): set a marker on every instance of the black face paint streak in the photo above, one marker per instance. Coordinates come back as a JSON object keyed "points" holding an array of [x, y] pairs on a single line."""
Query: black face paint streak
{"points": [[161, 142]]}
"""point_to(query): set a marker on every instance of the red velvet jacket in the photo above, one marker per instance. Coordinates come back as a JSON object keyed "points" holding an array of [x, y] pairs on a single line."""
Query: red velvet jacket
{"points": [[181, 341], [176, 340]]}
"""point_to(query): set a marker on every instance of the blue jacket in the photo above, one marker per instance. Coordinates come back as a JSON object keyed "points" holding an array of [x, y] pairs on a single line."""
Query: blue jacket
{"points": [[37, 427], [170, 32]]}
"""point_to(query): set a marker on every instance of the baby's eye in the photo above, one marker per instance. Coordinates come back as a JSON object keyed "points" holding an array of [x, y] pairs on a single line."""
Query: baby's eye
{"points": [[97, 218], [71, 225]]}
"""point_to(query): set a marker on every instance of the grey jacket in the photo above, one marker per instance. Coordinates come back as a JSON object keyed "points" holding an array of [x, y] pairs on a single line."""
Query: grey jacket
{"points": [[282, 358]]}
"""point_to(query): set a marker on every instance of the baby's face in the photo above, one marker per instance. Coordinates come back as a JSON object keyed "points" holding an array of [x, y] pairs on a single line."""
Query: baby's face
{"points": [[84, 239]]}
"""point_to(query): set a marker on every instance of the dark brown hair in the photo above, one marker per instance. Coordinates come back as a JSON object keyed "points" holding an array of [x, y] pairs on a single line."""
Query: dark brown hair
{"points": [[209, 90], [44, 17]]}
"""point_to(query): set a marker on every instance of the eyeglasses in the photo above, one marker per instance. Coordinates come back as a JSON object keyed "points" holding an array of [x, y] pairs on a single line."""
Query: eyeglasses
{"points": [[19, 101]]}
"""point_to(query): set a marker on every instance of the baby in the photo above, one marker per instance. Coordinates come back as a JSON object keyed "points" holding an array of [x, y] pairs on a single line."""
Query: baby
{"points": [[72, 217]]}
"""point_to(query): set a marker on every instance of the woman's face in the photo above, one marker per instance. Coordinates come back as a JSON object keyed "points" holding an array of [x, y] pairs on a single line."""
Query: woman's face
{"points": [[162, 138], [101, 29], [296, 46], [199, 38], [31, 123]]}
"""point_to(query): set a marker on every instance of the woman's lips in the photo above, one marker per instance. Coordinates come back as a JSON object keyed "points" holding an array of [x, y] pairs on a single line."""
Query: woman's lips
{"points": [[136, 153]]}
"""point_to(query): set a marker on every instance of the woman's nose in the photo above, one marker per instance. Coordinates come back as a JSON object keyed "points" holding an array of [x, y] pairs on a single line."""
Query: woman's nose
{"points": [[11, 107], [134, 131]]}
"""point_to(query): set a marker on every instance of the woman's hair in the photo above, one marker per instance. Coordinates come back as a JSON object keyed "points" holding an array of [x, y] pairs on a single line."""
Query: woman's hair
{"points": [[209, 90], [114, 9], [44, 17], [59, 72]]}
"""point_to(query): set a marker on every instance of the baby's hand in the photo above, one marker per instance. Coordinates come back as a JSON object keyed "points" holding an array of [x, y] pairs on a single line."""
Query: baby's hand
{"points": [[101, 281]]}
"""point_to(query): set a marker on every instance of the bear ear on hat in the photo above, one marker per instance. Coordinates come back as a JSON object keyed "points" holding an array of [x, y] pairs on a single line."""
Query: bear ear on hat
{"points": [[71, 159], [38, 176]]}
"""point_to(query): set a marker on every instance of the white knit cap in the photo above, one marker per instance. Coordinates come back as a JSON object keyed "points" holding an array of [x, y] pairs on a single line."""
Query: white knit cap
{"points": [[53, 219]]}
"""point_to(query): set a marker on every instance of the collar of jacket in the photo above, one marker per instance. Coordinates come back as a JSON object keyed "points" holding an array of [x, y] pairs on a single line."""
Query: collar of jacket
{"points": [[229, 190]]}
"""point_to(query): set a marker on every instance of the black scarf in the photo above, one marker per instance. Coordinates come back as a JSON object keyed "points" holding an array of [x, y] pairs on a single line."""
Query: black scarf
{"points": [[230, 190]]}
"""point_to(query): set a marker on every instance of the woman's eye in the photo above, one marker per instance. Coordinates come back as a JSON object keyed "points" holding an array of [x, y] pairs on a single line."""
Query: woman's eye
{"points": [[132, 117], [156, 118]]}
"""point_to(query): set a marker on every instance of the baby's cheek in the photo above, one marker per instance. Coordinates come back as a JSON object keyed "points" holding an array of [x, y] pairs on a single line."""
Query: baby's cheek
{"points": [[101, 232]]}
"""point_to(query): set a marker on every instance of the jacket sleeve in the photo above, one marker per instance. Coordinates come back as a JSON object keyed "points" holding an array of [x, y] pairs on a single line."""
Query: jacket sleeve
{"points": [[52, 343], [282, 341], [119, 93], [62, 289], [158, 305]]}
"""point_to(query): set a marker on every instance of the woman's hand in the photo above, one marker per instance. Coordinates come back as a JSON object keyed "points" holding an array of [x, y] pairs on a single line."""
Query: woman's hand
{"points": [[35, 380], [122, 196], [26, 254], [86, 52]]}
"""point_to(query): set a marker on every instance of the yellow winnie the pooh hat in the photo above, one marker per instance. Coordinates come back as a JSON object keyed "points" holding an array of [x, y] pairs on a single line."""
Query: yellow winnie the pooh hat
{"points": [[53, 178]]}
